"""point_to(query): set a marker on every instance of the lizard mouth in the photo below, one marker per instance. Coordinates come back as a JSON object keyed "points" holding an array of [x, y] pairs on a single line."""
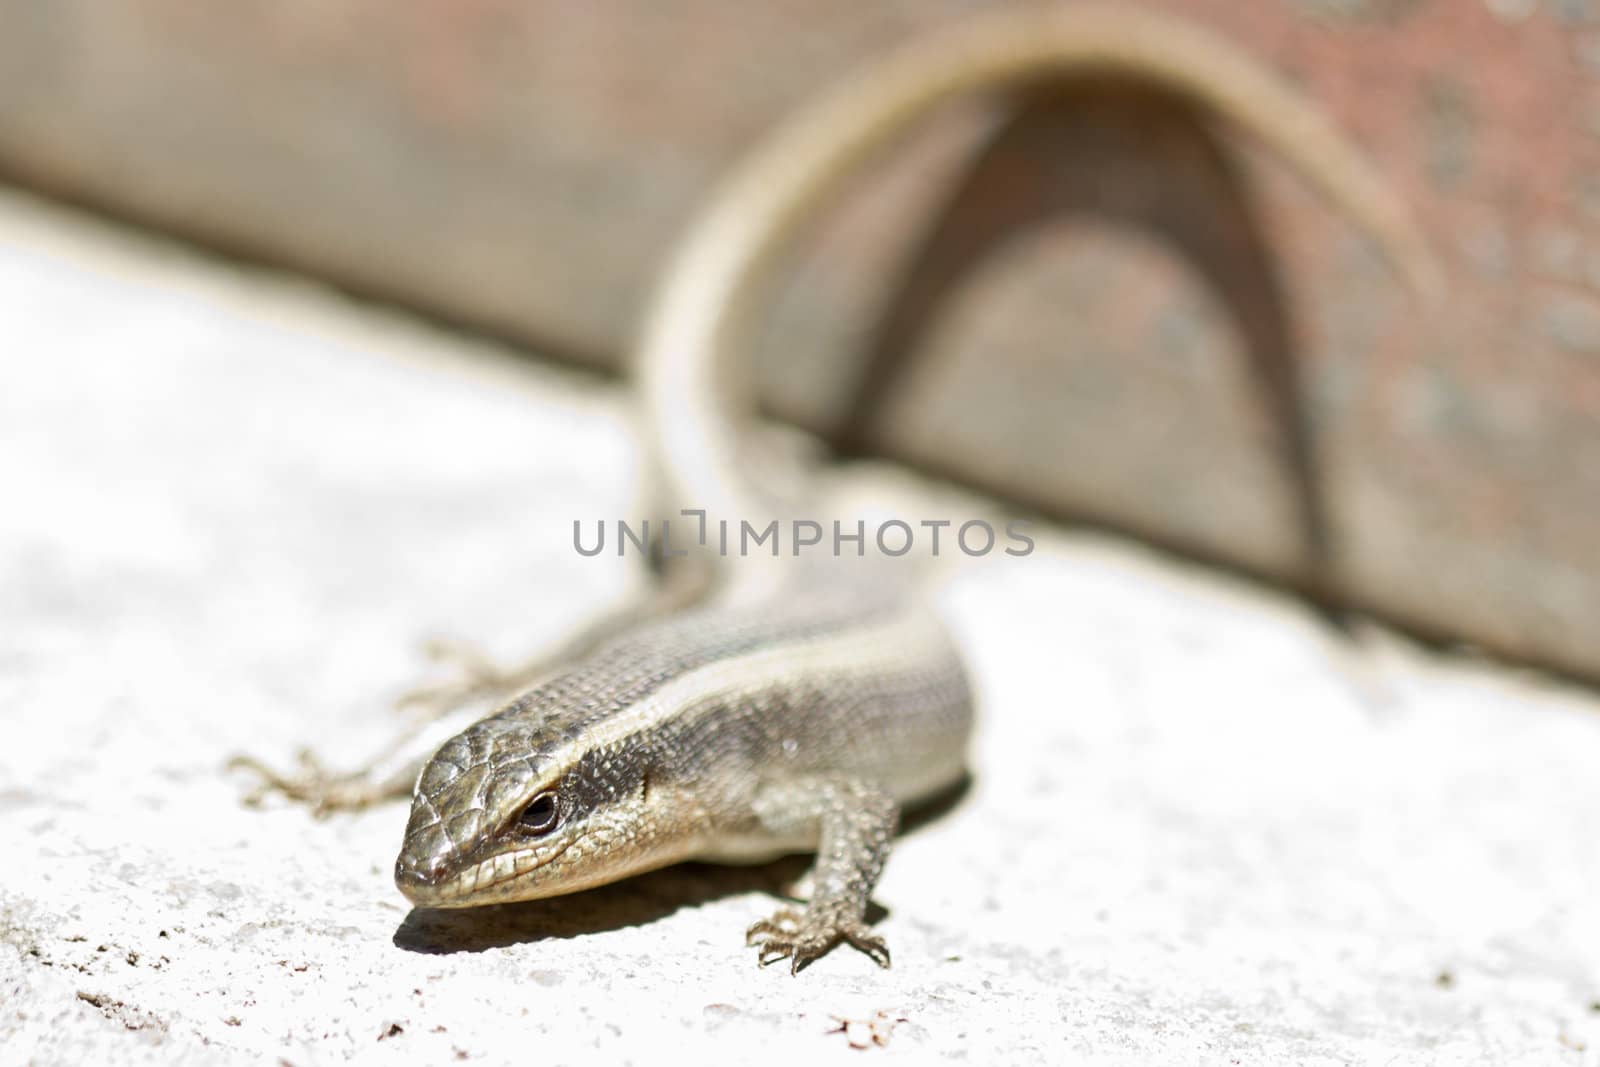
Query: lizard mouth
{"points": [[490, 881]]}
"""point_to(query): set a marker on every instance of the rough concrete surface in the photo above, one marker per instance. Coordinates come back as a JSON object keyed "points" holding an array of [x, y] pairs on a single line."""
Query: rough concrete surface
{"points": [[1200, 829]]}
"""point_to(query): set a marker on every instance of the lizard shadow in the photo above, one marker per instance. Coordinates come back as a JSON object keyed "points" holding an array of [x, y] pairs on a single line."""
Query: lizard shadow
{"points": [[1116, 149], [631, 902]]}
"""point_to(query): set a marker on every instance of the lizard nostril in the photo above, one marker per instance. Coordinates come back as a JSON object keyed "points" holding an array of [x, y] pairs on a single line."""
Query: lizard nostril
{"points": [[416, 869]]}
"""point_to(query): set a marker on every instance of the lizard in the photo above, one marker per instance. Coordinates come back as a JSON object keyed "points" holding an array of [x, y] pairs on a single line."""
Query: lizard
{"points": [[777, 709]]}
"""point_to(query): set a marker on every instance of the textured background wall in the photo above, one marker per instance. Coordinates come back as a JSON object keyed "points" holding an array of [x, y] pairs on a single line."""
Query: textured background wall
{"points": [[524, 166]]}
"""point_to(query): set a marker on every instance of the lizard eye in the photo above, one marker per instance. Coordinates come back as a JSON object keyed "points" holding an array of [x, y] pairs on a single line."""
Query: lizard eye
{"points": [[541, 814]]}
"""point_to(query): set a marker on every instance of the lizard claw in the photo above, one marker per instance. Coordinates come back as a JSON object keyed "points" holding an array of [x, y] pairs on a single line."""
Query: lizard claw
{"points": [[782, 924], [804, 938]]}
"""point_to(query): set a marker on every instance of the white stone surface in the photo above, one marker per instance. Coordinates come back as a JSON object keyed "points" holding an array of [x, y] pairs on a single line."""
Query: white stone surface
{"points": [[1200, 831]]}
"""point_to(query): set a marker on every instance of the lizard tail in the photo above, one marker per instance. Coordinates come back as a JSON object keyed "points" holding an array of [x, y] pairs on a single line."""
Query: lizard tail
{"points": [[690, 364]]}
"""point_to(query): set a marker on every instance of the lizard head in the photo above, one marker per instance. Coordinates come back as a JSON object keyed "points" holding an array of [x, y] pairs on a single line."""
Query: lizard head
{"points": [[516, 808]]}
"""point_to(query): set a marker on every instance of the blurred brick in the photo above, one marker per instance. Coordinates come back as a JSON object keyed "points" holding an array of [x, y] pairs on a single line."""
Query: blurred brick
{"points": [[524, 166]]}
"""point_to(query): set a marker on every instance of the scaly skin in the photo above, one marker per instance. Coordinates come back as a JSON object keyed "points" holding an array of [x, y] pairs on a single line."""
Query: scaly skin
{"points": [[720, 735]]}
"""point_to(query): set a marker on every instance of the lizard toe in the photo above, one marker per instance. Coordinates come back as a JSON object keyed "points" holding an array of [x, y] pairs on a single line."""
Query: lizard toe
{"points": [[803, 939]]}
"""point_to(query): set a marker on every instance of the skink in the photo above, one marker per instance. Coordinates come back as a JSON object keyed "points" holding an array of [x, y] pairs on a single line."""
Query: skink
{"points": [[803, 717]]}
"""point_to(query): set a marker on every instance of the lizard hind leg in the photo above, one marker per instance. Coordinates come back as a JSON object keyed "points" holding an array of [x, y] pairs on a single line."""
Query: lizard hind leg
{"points": [[853, 823]]}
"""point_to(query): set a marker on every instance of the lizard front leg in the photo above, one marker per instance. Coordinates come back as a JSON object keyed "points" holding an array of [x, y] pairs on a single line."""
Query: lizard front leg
{"points": [[477, 677], [853, 823]]}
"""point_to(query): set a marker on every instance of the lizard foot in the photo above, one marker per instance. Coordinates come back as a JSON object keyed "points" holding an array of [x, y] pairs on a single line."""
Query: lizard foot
{"points": [[476, 676], [803, 937], [315, 786]]}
